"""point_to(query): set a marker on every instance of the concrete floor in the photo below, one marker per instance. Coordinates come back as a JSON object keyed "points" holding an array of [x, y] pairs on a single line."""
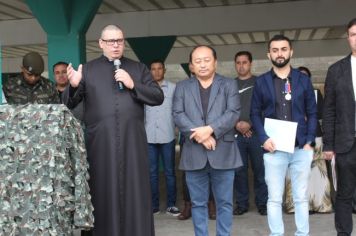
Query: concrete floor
{"points": [[249, 224]]}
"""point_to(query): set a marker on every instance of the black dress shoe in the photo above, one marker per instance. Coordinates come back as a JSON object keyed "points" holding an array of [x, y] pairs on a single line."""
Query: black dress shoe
{"points": [[262, 211], [240, 211]]}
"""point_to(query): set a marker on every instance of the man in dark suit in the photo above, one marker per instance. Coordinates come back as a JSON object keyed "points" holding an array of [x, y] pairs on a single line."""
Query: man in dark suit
{"points": [[339, 130], [285, 94], [205, 109]]}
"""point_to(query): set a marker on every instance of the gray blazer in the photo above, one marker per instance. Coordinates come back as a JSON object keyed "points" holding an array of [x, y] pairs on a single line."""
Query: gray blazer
{"points": [[222, 115]]}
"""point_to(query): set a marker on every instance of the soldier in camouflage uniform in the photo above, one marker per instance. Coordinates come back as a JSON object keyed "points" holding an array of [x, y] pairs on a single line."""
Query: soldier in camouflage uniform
{"points": [[30, 86]]}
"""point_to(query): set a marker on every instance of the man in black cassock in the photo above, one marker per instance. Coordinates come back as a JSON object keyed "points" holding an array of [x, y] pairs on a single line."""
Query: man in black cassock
{"points": [[115, 136]]}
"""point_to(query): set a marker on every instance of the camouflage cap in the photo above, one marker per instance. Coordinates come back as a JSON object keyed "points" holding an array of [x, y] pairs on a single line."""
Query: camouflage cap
{"points": [[33, 62]]}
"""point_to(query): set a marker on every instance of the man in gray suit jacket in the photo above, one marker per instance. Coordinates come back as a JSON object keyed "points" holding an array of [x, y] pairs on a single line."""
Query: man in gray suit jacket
{"points": [[340, 130], [205, 109]]}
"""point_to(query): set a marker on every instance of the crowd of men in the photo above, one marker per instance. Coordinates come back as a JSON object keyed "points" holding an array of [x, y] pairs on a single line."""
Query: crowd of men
{"points": [[131, 115]]}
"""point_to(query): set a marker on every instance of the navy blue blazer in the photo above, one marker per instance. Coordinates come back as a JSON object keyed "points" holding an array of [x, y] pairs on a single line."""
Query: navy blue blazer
{"points": [[304, 110]]}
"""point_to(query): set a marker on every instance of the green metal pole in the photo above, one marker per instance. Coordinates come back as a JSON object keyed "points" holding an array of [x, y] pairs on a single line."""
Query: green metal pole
{"points": [[186, 69], [66, 23], [151, 48]]}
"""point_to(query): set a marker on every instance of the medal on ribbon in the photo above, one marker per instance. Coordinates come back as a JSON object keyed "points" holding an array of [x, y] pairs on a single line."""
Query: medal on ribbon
{"points": [[287, 90]]}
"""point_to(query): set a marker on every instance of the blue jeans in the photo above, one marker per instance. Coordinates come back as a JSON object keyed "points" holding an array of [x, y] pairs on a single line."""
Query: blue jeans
{"points": [[167, 153], [276, 165], [222, 186], [250, 148]]}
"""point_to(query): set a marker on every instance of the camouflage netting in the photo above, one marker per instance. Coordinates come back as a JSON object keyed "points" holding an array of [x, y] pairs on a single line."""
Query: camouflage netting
{"points": [[43, 172]]}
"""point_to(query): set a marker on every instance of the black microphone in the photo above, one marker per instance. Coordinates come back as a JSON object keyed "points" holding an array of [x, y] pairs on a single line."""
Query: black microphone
{"points": [[117, 64]]}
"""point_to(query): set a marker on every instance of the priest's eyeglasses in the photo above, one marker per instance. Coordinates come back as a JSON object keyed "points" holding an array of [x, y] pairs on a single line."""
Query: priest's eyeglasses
{"points": [[111, 42]]}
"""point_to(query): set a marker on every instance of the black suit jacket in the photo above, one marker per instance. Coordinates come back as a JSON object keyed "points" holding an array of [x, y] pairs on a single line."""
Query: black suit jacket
{"points": [[339, 108]]}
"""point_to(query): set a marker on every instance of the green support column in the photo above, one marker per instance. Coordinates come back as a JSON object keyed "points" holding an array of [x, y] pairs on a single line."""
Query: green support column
{"points": [[66, 23], [185, 67], [151, 48]]}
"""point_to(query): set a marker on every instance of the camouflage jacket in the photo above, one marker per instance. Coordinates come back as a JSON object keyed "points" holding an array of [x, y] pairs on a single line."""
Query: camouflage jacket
{"points": [[17, 91], [43, 172]]}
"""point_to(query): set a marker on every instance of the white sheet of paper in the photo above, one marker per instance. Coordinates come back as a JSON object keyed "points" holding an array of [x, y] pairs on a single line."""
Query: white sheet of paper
{"points": [[283, 133]]}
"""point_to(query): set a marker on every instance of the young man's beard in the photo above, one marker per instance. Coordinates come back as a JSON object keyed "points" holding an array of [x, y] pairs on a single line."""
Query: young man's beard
{"points": [[280, 64]]}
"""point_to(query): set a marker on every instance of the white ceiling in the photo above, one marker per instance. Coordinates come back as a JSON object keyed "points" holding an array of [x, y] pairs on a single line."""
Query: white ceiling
{"points": [[17, 10], [317, 28]]}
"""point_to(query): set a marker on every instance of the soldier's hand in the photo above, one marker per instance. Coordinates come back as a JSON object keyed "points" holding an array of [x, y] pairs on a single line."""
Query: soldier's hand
{"points": [[74, 76]]}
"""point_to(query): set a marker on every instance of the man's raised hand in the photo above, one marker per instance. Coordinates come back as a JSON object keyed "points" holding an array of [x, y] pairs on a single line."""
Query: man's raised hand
{"points": [[74, 76]]}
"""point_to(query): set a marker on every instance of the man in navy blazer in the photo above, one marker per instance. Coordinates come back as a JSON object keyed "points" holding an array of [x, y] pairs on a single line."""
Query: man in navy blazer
{"points": [[284, 93], [205, 109], [340, 130]]}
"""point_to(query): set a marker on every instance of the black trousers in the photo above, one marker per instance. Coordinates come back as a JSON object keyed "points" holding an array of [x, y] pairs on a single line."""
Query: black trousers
{"points": [[346, 184]]}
